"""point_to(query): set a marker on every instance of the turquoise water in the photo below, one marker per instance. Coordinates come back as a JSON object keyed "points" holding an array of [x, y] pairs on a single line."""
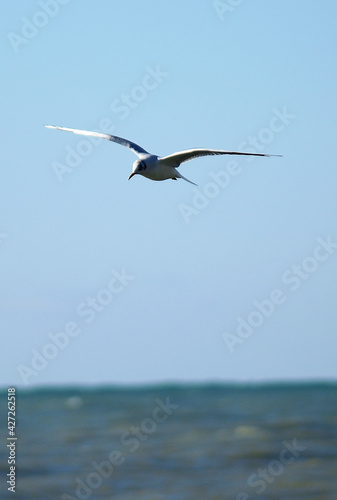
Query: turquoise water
{"points": [[213, 442]]}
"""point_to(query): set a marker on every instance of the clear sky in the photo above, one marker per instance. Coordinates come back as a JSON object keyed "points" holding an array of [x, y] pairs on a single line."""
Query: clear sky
{"points": [[105, 280]]}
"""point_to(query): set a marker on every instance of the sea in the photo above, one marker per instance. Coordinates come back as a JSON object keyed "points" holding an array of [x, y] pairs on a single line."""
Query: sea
{"points": [[172, 442]]}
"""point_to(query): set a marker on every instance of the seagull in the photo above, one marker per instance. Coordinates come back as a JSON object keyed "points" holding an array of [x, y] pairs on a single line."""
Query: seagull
{"points": [[155, 167]]}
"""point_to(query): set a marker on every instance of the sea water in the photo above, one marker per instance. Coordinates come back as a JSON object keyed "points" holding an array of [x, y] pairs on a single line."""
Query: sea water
{"points": [[174, 442]]}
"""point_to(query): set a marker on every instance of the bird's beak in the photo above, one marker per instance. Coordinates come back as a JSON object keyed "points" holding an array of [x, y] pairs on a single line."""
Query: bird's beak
{"points": [[131, 175]]}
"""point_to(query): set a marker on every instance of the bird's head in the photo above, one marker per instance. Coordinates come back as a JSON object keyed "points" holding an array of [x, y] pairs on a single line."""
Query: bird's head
{"points": [[139, 167]]}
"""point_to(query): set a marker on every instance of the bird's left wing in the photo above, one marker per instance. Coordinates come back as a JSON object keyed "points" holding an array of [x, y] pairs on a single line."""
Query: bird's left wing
{"points": [[114, 138], [177, 158]]}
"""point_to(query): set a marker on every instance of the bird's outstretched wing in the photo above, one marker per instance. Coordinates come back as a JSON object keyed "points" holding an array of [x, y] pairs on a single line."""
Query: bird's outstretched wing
{"points": [[176, 159], [114, 138]]}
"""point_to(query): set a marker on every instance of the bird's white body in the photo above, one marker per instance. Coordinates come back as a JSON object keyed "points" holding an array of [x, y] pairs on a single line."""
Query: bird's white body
{"points": [[154, 167]]}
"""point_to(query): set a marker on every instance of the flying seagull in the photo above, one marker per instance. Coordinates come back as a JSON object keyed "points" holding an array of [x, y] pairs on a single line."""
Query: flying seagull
{"points": [[152, 166]]}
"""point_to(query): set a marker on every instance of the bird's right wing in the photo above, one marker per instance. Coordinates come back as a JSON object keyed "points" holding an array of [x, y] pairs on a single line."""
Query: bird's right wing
{"points": [[114, 138], [176, 159]]}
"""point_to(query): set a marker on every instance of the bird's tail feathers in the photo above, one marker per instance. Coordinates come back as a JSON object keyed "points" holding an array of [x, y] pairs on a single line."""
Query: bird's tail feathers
{"points": [[182, 177]]}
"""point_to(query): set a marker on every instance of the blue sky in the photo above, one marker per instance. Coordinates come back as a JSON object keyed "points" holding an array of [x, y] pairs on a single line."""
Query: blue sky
{"points": [[105, 280]]}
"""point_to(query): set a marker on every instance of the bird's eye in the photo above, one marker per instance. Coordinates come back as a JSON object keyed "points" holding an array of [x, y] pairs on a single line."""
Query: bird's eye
{"points": [[142, 166]]}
